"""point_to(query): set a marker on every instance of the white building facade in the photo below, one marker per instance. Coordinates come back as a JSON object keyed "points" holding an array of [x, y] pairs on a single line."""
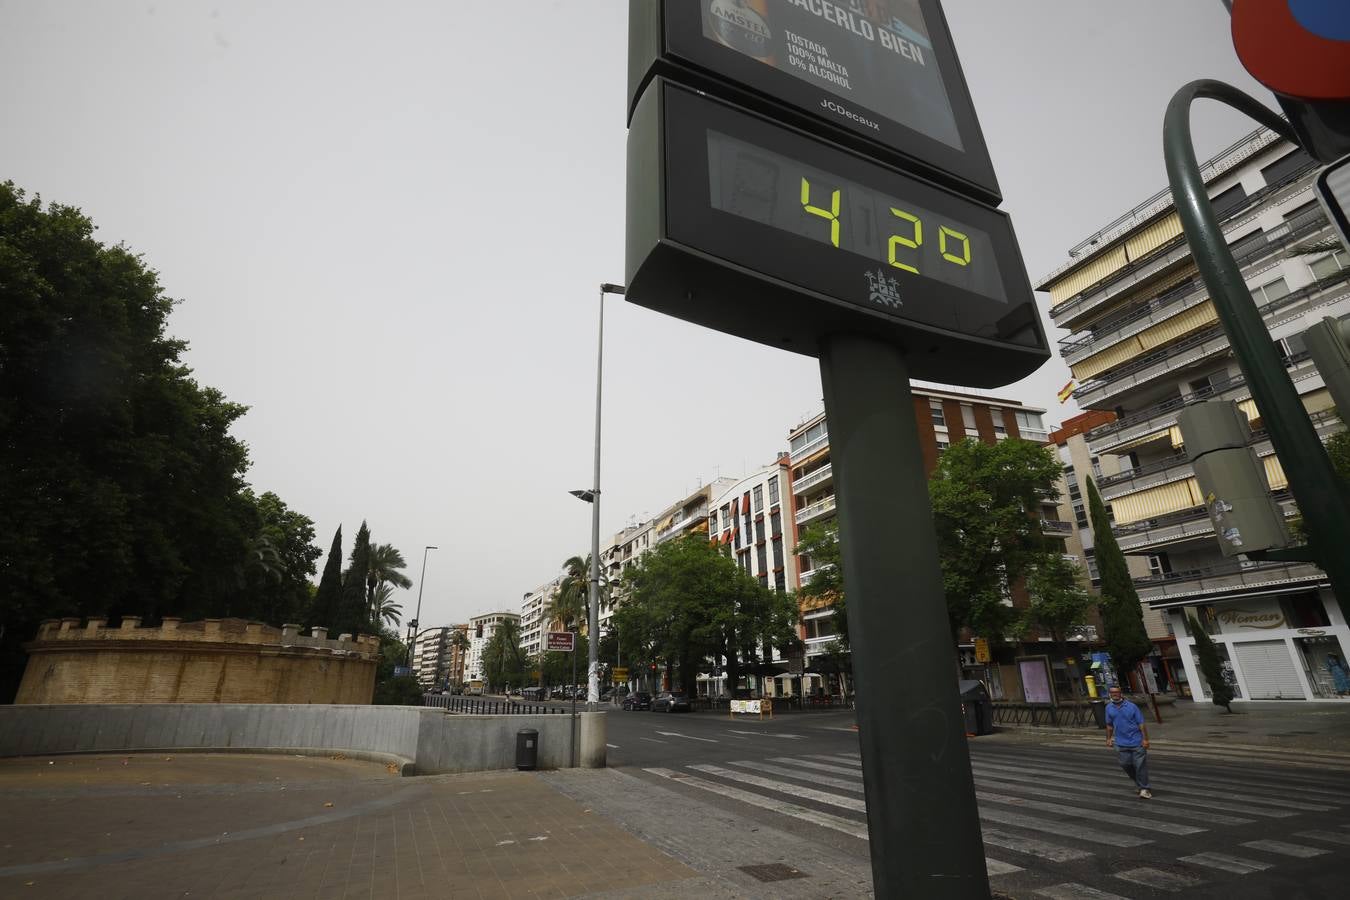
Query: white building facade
{"points": [[481, 629]]}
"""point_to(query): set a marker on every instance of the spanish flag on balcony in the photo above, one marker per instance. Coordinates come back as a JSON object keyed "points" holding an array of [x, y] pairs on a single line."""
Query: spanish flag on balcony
{"points": [[1066, 392]]}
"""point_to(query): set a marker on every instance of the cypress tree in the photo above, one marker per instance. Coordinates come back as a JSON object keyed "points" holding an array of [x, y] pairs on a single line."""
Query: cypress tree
{"points": [[323, 611], [353, 612], [1220, 691], [1122, 618]]}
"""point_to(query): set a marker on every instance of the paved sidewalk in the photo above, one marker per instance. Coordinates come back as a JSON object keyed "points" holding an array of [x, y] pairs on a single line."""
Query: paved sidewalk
{"points": [[223, 826]]}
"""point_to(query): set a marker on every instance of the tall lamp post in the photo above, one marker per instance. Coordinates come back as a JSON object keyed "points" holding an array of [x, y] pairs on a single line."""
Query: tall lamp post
{"points": [[417, 617], [593, 497]]}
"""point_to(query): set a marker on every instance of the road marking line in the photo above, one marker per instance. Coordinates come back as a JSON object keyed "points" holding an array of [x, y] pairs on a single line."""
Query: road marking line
{"points": [[837, 759], [814, 777], [653, 740], [1225, 863], [687, 737], [1078, 812], [795, 737], [997, 867], [1287, 849], [836, 823], [1157, 878], [1205, 815], [1028, 773], [823, 767], [792, 790], [612, 746], [1063, 829], [1032, 847], [1331, 836], [1281, 791], [1071, 891]]}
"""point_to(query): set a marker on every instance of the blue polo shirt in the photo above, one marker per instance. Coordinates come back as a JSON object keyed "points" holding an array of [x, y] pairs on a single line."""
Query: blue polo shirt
{"points": [[1126, 719]]}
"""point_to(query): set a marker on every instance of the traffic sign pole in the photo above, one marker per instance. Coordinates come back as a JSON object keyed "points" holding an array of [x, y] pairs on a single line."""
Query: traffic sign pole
{"points": [[922, 821]]}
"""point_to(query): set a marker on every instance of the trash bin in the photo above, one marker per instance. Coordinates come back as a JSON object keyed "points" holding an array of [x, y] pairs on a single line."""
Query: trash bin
{"points": [[1099, 712], [977, 707], [527, 749]]}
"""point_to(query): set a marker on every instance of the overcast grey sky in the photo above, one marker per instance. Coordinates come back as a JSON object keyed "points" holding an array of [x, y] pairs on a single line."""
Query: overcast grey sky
{"points": [[387, 224]]}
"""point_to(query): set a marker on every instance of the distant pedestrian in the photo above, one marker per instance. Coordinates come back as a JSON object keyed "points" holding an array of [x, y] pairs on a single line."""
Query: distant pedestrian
{"points": [[1126, 732]]}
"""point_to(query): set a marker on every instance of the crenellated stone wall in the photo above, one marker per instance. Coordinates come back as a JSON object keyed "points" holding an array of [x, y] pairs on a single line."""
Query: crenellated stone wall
{"points": [[212, 661]]}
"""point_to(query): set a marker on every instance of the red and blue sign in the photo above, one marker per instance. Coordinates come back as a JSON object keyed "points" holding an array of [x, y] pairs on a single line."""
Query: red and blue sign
{"points": [[1298, 48]]}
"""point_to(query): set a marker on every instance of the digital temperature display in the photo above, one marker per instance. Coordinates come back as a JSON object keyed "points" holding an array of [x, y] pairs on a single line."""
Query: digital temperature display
{"points": [[762, 230], [907, 238]]}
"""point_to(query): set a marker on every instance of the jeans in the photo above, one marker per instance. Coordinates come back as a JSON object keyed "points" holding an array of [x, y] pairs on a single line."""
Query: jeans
{"points": [[1134, 760]]}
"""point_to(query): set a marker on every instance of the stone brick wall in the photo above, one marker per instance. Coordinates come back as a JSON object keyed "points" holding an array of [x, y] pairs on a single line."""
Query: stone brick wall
{"points": [[213, 661]]}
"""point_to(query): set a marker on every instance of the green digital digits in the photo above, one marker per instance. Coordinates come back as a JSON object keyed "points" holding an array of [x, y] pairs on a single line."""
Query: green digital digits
{"points": [[943, 233], [832, 213], [904, 241]]}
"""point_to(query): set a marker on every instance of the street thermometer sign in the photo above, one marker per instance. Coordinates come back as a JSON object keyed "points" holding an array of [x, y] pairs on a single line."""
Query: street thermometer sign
{"points": [[764, 231]]}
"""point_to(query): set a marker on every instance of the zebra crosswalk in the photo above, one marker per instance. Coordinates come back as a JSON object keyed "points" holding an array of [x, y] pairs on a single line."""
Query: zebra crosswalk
{"points": [[1051, 818]]}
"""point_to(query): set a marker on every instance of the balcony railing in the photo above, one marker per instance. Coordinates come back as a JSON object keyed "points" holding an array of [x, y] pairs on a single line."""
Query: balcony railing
{"points": [[810, 447], [1199, 345], [1172, 251], [1056, 527], [1190, 294], [1224, 576], [818, 477], [1182, 525], [815, 510]]}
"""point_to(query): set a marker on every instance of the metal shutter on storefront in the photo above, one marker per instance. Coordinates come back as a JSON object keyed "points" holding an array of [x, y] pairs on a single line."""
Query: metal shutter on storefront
{"points": [[1268, 668]]}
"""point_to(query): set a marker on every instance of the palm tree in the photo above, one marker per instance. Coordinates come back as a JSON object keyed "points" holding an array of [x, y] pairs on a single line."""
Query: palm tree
{"points": [[386, 565], [385, 609], [568, 603]]}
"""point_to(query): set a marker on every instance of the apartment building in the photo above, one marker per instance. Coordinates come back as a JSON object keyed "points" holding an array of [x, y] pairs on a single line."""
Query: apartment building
{"points": [[437, 659], [751, 520], [481, 629], [1145, 341], [534, 622], [943, 417]]}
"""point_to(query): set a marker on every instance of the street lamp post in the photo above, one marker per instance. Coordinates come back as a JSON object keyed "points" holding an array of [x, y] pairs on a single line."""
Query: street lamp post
{"points": [[592, 497], [421, 579]]}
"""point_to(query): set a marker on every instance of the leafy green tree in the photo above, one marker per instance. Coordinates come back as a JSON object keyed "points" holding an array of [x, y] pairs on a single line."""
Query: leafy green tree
{"points": [[687, 602], [123, 489], [504, 662], [401, 690], [820, 543], [570, 602], [556, 668], [1220, 691], [328, 598], [385, 568], [354, 609], [984, 499], [1058, 601], [1122, 617], [281, 563]]}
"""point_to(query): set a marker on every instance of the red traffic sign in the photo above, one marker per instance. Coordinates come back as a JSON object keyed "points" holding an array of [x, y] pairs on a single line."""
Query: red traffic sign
{"points": [[1297, 48], [562, 641]]}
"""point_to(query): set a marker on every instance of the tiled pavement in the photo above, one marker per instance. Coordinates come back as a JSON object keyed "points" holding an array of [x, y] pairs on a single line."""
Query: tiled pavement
{"points": [[256, 826]]}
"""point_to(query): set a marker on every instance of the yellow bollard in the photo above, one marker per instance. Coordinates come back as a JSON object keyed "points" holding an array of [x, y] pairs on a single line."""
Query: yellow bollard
{"points": [[1091, 686]]}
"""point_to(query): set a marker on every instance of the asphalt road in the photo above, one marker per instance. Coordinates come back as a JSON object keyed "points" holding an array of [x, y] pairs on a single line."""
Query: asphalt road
{"points": [[1059, 818]]}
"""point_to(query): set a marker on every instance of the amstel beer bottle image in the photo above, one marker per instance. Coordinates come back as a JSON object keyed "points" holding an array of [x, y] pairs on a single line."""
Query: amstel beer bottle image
{"points": [[742, 25]]}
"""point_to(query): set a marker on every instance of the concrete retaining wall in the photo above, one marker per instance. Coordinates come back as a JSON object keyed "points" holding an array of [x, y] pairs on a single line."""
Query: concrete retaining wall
{"points": [[425, 741]]}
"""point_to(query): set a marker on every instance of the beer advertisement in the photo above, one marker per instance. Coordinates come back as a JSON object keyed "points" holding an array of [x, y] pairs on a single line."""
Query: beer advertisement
{"points": [[872, 55]]}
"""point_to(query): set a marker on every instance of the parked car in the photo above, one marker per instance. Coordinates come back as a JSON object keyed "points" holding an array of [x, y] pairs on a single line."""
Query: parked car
{"points": [[639, 700], [671, 701], [532, 693]]}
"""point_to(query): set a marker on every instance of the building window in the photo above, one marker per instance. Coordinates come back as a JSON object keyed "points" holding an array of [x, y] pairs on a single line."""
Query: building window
{"points": [[1029, 421], [1286, 165], [1330, 264], [1097, 468], [1292, 346], [942, 445], [1091, 561], [1158, 564], [776, 524], [726, 517], [808, 436], [968, 418], [1270, 292], [759, 498], [773, 491], [935, 410], [762, 557], [1000, 429], [1080, 515], [777, 552], [1224, 201], [780, 581], [759, 530]]}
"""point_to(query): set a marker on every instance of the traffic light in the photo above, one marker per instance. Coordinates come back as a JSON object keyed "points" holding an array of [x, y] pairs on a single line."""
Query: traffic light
{"points": [[1329, 343], [1232, 480]]}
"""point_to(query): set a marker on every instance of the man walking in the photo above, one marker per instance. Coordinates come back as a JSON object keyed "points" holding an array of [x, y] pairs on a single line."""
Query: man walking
{"points": [[1126, 732]]}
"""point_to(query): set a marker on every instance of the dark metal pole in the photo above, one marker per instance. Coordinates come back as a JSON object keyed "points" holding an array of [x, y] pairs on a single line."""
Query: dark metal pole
{"points": [[921, 814], [417, 619], [1322, 498]]}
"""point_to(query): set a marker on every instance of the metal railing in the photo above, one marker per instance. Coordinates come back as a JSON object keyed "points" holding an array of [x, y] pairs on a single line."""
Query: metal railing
{"points": [[475, 706], [1056, 527], [1066, 715], [1223, 576], [817, 477], [815, 509]]}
